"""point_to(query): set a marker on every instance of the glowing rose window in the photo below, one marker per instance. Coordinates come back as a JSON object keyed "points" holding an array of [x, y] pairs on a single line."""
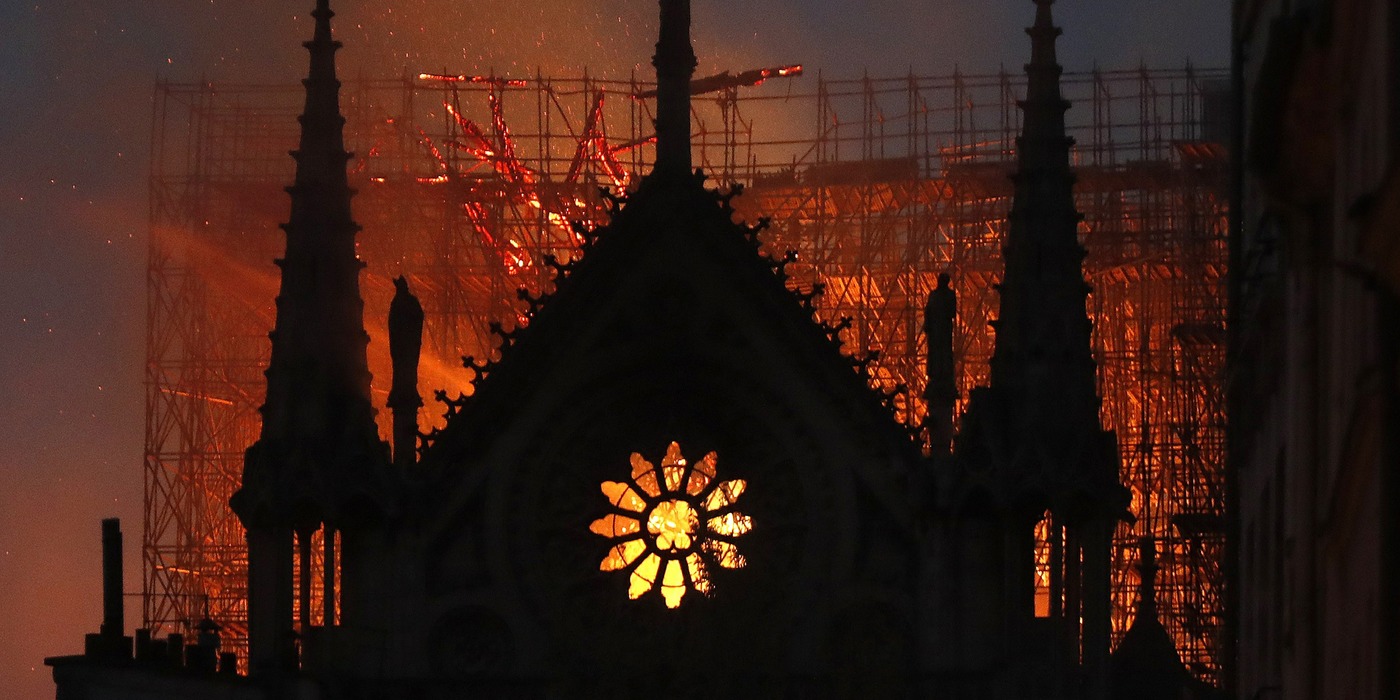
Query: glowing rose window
{"points": [[670, 525]]}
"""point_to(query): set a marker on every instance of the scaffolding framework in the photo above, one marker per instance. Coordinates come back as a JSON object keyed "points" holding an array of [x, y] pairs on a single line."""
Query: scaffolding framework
{"points": [[466, 183]]}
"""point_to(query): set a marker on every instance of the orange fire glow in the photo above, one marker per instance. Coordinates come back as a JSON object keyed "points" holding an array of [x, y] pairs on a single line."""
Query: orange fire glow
{"points": [[673, 537], [471, 214]]}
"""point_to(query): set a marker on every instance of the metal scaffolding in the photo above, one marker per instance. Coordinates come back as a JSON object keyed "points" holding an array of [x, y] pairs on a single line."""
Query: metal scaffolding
{"points": [[467, 183]]}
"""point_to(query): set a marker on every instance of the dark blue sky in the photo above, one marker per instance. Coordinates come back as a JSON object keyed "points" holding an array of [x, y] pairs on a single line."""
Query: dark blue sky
{"points": [[76, 79]]}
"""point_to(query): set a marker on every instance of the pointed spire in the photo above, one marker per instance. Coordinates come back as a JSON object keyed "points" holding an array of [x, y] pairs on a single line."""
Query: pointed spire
{"points": [[1043, 331], [675, 65], [321, 154], [323, 15], [1043, 35], [1036, 428], [318, 460], [1044, 106], [1146, 665], [318, 434], [1147, 575]]}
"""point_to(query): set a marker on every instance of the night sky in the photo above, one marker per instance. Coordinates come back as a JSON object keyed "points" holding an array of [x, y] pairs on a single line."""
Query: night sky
{"points": [[76, 79]]}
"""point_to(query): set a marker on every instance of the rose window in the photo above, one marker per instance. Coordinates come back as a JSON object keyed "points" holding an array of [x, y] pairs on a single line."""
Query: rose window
{"points": [[671, 525]]}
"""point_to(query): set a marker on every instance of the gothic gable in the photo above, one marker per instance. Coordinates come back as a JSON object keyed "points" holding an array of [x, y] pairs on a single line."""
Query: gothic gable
{"points": [[672, 334]]}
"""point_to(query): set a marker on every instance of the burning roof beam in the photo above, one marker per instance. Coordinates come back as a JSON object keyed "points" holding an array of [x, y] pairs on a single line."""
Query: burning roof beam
{"points": [[726, 80], [472, 79]]}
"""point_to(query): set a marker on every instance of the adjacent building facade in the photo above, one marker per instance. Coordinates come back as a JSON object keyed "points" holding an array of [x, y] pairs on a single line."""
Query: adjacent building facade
{"points": [[1315, 346]]}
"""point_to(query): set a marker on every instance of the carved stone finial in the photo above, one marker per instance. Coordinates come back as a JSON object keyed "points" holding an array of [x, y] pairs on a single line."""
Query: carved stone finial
{"points": [[675, 65]]}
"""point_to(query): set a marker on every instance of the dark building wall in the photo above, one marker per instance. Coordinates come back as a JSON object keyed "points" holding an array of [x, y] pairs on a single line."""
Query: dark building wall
{"points": [[1313, 366], [79, 680]]}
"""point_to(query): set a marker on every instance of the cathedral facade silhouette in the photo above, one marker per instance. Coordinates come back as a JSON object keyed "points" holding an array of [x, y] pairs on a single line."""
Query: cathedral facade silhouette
{"points": [[673, 480]]}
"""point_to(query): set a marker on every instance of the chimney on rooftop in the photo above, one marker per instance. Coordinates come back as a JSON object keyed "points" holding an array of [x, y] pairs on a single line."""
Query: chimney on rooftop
{"points": [[113, 617]]}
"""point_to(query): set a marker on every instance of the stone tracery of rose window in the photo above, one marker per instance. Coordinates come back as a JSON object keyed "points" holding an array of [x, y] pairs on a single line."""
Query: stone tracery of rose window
{"points": [[671, 525]]}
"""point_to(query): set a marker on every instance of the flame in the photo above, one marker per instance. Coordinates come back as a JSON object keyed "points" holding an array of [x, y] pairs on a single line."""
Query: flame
{"points": [[471, 79]]}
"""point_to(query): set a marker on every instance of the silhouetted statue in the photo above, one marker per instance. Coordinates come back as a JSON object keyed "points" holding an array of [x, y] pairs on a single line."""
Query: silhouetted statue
{"points": [[941, 392], [405, 347]]}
